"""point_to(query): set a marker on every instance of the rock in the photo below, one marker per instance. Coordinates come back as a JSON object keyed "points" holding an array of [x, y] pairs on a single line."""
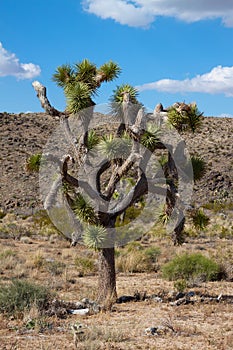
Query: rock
{"points": [[151, 330], [157, 299], [158, 330], [82, 312], [179, 295], [182, 301], [26, 240], [125, 299]]}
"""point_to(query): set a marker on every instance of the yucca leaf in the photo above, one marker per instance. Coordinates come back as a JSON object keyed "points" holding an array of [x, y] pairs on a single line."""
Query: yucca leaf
{"points": [[109, 71], [199, 167], [94, 237], [115, 147], [63, 75], [150, 137], [116, 100], [190, 118], [85, 73], [93, 140], [84, 210], [33, 162], [78, 97]]}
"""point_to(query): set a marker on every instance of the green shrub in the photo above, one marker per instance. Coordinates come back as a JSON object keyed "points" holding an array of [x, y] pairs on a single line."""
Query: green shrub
{"points": [[41, 218], [134, 246], [217, 206], [131, 214], [226, 232], [33, 162], [152, 253], [200, 220], [190, 267], [21, 295]]}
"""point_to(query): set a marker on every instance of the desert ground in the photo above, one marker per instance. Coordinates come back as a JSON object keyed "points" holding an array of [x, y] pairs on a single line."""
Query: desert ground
{"points": [[162, 313]]}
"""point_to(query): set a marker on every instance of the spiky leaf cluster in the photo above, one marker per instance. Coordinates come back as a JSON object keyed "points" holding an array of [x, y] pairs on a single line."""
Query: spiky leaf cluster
{"points": [[109, 71], [78, 97], [84, 210], [150, 137], [93, 140], [185, 119], [64, 75], [85, 72], [33, 162], [116, 99], [94, 236], [81, 81], [115, 147], [199, 167], [200, 219]]}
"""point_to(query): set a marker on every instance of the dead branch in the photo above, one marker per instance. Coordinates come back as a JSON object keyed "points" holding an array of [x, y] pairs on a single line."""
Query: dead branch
{"points": [[45, 104]]}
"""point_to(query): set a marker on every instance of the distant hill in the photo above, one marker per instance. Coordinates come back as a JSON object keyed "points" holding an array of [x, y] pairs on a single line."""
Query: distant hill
{"points": [[25, 134]]}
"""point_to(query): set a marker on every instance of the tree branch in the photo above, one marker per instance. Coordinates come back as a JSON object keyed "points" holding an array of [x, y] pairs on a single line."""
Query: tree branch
{"points": [[45, 104], [121, 171]]}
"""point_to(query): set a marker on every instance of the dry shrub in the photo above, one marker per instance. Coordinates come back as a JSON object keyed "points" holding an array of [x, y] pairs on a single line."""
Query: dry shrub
{"points": [[85, 265], [136, 258], [8, 259]]}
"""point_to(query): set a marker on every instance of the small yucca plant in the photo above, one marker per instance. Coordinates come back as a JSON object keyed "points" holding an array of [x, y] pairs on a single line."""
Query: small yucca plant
{"points": [[200, 219], [93, 139], [190, 118], [33, 162], [199, 167]]}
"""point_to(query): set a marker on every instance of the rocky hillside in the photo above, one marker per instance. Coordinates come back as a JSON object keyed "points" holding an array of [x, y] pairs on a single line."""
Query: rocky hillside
{"points": [[25, 134]]}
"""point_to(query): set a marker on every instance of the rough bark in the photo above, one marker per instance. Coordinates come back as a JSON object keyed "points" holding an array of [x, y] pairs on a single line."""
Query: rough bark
{"points": [[107, 277]]}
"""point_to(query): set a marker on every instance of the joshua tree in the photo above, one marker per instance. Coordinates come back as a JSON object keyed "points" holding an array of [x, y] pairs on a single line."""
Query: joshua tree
{"points": [[127, 150]]}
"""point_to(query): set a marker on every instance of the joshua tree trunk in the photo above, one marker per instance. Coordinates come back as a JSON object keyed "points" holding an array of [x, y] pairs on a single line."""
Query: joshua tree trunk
{"points": [[107, 277]]}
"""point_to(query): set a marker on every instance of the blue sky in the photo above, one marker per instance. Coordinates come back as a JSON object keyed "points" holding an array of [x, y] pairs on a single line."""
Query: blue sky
{"points": [[171, 50]]}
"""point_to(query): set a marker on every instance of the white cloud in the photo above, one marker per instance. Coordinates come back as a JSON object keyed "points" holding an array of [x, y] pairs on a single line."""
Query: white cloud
{"points": [[124, 12], [218, 81], [10, 65], [141, 13], [225, 115]]}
